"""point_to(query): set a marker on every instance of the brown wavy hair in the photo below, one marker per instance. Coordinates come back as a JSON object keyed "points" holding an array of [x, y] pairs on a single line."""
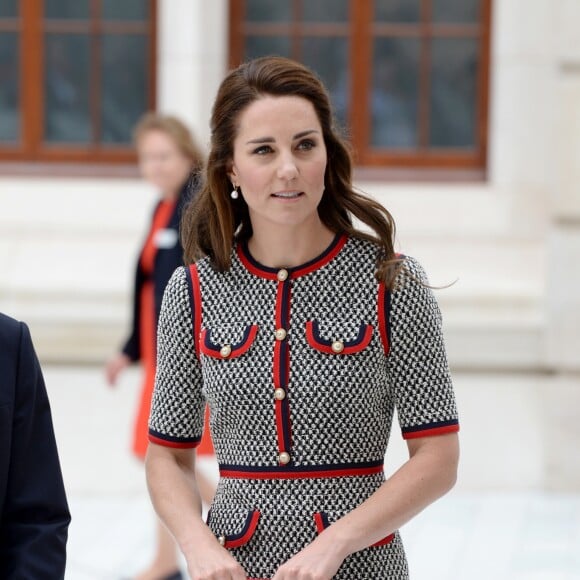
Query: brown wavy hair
{"points": [[214, 222]]}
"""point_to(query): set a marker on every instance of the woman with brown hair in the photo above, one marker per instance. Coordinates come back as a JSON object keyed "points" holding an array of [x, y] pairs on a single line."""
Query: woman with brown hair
{"points": [[170, 160], [303, 334]]}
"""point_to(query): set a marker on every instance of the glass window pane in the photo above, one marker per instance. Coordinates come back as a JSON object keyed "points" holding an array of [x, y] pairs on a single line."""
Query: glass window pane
{"points": [[328, 57], [78, 9], [126, 10], [456, 10], [66, 87], [9, 87], [8, 8], [325, 11], [394, 95], [125, 87], [397, 10], [267, 45], [268, 11], [453, 98]]}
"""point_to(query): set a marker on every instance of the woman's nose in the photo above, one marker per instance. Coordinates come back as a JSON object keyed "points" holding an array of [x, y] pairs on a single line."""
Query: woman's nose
{"points": [[287, 169]]}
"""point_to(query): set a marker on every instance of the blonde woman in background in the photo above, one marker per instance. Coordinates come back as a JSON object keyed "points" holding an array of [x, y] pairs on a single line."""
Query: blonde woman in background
{"points": [[170, 160]]}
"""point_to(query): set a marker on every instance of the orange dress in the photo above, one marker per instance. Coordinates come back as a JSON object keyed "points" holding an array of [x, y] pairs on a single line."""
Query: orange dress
{"points": [[148, 337]]}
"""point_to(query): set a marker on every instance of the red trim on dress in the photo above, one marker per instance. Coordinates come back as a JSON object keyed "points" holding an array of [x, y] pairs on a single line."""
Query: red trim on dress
{"points": [[197, 306], [296, 474], [293, 273], [174, 444], [321, 526], [383, 318], [323, 260], [237, 351], [326, 348], [431, 432], [280, 368], [319, 522], [247, 535], [386, 540]]}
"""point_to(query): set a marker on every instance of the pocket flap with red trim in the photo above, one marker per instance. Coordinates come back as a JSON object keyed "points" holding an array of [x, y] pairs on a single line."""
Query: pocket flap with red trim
{"points": [[322, 522], [227, 349], [338, 345], [241, 537]]}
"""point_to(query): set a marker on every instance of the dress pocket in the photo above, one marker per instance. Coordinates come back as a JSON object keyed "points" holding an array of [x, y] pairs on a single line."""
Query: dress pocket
{"points": [[227, 346], [338, 345], [238, 531], [322, 522]]}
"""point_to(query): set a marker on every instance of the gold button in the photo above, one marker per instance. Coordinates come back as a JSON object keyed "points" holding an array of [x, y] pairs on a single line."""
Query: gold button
{"points": [[281, 334], [222, 540], [284, 458], [337, 346], [225, 351], [279, 394], [282, 275]]}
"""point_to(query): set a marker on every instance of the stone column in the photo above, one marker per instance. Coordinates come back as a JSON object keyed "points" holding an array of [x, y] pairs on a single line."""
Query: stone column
{"points": [[562, 395]]}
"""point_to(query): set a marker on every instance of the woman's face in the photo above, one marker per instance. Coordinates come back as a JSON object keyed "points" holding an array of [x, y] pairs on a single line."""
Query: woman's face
{"points": [[279, 161], [162, 162]]}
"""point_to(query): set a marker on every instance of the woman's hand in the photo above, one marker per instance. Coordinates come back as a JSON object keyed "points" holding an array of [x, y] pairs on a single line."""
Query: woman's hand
{"points": [[115, 366], [213, 562], [320, 560]]}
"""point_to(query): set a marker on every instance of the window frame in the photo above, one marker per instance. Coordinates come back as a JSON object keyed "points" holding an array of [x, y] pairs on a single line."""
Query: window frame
{"points": [[31, 147], [376, 163]]}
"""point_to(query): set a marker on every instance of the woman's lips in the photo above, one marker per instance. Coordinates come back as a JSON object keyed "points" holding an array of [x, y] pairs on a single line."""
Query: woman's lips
{"points": [[288, 194]]}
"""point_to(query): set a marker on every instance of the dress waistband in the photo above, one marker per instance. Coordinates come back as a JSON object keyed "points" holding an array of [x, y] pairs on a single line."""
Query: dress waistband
{"points": [[301, 471]]}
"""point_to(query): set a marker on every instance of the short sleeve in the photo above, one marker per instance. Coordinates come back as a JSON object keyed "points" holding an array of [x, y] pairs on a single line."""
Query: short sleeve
{"points": [[417, 361], [177, 409]]}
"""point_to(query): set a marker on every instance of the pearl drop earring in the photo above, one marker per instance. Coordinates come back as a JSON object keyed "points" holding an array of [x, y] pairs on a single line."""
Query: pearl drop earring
{"points": [[234, 194]]}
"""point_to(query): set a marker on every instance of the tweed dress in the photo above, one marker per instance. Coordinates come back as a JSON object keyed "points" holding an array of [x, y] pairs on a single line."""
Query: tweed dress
{"points": [[303, 369]]}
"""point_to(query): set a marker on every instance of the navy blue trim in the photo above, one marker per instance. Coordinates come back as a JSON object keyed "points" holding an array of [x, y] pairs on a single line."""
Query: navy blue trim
{"points": [[237, 535], [285, 409], [215, 347], [300, 469], [387, 306], [170, 438], [426, 426], [326, 342], [191, 303], [260, 266], [244, 530], [324, 518], [285, 304], [284, 369]]}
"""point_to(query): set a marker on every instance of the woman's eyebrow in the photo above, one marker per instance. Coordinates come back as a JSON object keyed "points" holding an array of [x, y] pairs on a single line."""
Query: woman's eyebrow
{"points": [[272, 140]]}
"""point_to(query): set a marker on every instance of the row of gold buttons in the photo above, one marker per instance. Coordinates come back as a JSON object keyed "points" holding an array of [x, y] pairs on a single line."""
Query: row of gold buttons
{"points": [[226, 349]]}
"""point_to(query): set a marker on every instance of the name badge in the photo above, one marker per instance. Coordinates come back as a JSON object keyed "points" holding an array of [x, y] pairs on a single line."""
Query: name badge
{"points": [[166, 239]]}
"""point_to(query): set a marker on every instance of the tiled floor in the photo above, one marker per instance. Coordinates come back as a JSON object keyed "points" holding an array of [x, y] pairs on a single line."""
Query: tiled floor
{"points": [[515, 535], [463, 537]]}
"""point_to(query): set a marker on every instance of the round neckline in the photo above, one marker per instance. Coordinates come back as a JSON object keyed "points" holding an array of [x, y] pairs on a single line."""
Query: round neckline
{"points": [[259, 269]]}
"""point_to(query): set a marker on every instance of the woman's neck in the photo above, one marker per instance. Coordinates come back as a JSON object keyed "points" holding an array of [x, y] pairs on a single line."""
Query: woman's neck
{"points": [[287, 247], [169, 196]]}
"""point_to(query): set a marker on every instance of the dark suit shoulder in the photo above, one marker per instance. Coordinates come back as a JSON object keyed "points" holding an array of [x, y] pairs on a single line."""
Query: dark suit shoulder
{"points": [[10, 331], [11, 336]]}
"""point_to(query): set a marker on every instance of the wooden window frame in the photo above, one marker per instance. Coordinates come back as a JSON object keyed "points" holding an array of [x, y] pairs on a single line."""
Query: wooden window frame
{"points": [[31, 147], [377, 163]]}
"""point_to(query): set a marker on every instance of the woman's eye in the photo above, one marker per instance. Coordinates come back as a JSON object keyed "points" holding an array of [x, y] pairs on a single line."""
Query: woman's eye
{"points": [[306, 145], [263, 149]]}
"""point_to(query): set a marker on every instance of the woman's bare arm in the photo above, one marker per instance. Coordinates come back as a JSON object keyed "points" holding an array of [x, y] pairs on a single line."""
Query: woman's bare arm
{"points": [[174, 493], [429, 473]]}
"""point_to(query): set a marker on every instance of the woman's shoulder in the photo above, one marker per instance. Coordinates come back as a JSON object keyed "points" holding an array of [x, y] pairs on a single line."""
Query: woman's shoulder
{"points": [[409, 268]]}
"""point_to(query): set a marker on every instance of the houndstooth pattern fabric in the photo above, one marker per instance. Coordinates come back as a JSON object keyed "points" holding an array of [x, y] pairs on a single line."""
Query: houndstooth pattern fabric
{"points": [[288, 505], [341, 407]]}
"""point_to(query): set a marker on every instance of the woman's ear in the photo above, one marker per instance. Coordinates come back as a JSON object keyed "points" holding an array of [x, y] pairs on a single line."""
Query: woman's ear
{"points": [[233, 175]]}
